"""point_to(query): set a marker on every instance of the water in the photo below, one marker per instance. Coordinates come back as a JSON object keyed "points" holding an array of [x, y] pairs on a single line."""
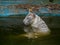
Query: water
{"points": [[11, 30]]}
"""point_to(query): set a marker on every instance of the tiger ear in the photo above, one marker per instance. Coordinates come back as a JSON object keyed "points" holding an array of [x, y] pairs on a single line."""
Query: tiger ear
{"points": [[33, 15]]}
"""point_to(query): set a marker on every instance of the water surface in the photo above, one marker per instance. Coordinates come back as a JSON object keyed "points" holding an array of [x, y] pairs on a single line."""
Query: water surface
{"points": [[11, 30]]}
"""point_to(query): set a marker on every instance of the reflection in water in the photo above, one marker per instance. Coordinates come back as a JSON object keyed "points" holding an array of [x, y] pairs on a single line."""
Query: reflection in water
{"points": [[33, 34]]}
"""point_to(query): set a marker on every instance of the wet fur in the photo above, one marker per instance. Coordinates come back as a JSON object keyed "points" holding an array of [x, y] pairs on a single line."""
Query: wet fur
{"points": [[37, 28]]}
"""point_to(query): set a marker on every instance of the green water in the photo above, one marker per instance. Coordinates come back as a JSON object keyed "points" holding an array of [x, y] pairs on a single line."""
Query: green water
{"points": [[11, 39], [12, 28]]}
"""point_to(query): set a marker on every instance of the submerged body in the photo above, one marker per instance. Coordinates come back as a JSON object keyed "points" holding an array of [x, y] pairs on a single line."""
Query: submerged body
{"points": [[35, 26]]}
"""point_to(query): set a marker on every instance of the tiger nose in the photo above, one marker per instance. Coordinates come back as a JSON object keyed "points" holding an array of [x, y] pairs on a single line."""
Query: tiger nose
{"points": [[23, 21]]}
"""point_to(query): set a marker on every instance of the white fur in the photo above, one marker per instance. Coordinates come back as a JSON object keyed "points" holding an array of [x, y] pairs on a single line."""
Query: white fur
{"points": [[39, 27]]}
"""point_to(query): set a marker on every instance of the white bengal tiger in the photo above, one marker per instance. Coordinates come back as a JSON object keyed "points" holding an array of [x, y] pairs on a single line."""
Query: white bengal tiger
{"points": [[35, 26]]}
